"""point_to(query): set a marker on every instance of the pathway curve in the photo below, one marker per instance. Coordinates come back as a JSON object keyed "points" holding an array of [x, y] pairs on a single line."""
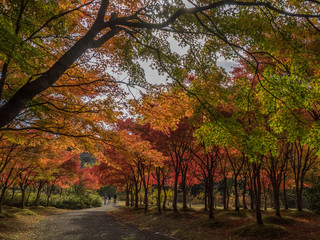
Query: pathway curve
{"points": [[91, 224]]}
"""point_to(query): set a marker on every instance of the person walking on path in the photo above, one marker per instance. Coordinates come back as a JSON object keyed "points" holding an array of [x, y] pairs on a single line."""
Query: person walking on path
{"points": [[109, 198], [114, 199]]}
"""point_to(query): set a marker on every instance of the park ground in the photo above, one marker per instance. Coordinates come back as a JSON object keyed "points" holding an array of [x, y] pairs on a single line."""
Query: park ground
{"points": [[194, 224], [122, 223]]}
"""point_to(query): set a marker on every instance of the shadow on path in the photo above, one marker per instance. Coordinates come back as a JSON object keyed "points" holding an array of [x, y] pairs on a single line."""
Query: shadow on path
{"points": [[90, 224]]}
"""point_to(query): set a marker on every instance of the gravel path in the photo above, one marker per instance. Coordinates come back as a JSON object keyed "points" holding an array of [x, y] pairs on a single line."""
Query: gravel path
{"points": [[91, 224]]}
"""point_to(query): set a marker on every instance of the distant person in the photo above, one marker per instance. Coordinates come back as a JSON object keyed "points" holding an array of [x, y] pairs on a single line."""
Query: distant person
{"points": [[114, 199], [109, 198], [105, 199]]}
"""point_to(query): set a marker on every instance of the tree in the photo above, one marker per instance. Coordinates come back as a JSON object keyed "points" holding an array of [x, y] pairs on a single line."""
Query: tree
{"points": [[275, 167], [107, 24], [302, 159]]}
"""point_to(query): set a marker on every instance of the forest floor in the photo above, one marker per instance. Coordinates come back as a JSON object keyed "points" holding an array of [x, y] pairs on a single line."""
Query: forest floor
{"points": [[19, 224], [195, 225], [56, 224], [120, 223]]}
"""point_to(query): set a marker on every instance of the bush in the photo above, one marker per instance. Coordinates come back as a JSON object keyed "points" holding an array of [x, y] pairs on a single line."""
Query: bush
{"points": [[69, 201], [79, 201], [313, 196]]}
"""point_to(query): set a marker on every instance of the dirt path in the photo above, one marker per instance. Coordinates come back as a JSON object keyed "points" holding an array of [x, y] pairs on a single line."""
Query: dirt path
{"points": [[90, 224]]}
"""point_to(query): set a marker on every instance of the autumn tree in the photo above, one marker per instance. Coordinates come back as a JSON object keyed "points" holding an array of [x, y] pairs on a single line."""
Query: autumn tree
{"points": [[66, 35]]}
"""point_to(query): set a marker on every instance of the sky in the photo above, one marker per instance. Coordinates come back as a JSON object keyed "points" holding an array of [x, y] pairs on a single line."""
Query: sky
{"points": [[153, 77]]}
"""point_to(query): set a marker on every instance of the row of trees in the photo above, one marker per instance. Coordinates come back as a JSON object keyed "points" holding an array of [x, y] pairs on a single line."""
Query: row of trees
{"points": [[58, 62], [39, 168], [181, 155]]}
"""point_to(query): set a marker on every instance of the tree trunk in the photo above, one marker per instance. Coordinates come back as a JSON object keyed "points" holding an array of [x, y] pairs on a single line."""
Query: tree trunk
{"points": [[146, 200], [276, 199], [257, 186], [285, 194], [13, 193], [206, 195], [244, 193], [236, 195], [23, 194], [28, 197], [225, 207], [19, 100], [49, 192], [164, 205], [136, 204], [3, 191], [299, 192], [264, 196], [184, 195], [210, 195], [127, 195], [132, 196], [228, 198], [251, 194], [175, 194], [37, 203], [271, 197], [159, 198]]}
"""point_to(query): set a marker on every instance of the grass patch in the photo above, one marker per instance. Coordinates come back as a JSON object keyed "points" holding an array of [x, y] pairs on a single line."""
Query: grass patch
{"points": [[37, 207], [279, 220], [16, 223], [235, 214], [195, 225], [212, 223], [187, 210], [265, 231], [301, 214], [27, 212]]}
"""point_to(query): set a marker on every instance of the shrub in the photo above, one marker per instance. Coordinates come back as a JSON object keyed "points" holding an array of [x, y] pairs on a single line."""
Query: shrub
{"points": [[79, 201], [69, 201], [313, 196]]}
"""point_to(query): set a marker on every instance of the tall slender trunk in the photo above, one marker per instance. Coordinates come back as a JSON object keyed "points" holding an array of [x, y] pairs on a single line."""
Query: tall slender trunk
{"points": [[132, 196], [49, 192], [285, 194], [225, 207], [299, 192], [271, 197], [136, 204], [159, 198], [28, 197], [276, 199], [164, 205], [251, 191], [23, 195], [127, 195], [257, 189], [244, 193], [236, 195], [146, 200], [206, 195], [184, 195], [210, 195], [175, 193], [264, 196], [37, 203], [228, 197], [3, 191], [4, 72], [13, 193]]}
